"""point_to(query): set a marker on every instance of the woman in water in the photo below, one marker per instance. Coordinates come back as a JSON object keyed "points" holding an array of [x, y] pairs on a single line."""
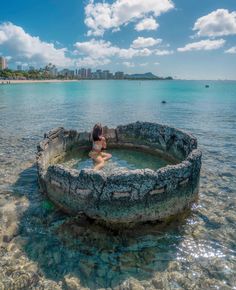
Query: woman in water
{"points": [[99, 143]]}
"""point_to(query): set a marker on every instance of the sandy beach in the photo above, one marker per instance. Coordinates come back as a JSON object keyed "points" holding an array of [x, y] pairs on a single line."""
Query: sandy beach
{"points": [[34, 81]]}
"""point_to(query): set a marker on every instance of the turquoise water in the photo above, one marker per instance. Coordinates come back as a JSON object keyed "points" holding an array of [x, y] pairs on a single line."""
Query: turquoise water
{"points": [[121, 158], [41, 247]]}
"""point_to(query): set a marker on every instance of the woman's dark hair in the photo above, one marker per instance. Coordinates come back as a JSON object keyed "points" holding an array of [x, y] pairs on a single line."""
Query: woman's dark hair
{"points": [[97, 132]]}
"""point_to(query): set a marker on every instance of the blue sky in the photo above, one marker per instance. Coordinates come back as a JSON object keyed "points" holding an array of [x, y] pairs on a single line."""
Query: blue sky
{"points": [[186, 39]]}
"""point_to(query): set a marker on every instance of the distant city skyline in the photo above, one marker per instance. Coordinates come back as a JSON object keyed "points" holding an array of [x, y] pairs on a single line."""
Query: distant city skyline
{"points": [[183, 39], [51, 71]]}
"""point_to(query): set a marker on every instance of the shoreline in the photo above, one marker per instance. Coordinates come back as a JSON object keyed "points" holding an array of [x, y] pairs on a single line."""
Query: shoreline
{"points": [[7, 82]]}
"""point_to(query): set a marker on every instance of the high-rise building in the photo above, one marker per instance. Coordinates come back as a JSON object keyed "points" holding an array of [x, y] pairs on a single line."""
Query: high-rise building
{"points": [[98, 73], [19, 67], [66, 73], [3, 63], [110, 76], [78, 73], [105, 74], [83, 73], [119, 75], [89, 73]]}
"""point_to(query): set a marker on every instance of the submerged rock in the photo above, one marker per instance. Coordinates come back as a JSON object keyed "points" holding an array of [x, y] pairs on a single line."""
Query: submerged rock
{"points": [[72, 283]]}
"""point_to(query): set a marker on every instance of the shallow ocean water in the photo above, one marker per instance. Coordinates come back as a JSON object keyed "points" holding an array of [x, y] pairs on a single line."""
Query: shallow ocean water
{"points": [[121, 158], [41, 248]]}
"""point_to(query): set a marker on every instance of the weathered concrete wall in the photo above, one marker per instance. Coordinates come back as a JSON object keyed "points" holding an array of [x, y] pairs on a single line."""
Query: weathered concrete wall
{"points": [[172, 141], [122, 196]]}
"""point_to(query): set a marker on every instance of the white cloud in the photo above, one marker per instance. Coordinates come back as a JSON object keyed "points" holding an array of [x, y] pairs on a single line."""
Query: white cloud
{"points": [[143, 64], [24, 47], [163, 52], [97, 48], [128, 64], [91, 62], [103, 16], [141, 42], [143, 52], [131, 64], [218, 23], [130, 52], [156, 63], [100, 49], [231, 50], [21, 63], [203, 45], [127, 53], [8, 58], [147, 24], [3, 36]]}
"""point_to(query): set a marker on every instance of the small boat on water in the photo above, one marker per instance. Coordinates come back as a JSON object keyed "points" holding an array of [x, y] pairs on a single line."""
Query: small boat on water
{"points": [[122, 197]]}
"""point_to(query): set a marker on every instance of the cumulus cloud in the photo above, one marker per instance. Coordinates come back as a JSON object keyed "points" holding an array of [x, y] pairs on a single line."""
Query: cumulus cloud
{"points": [[128, 64], [130, 52], [8, 58], [100, 49], [163, 52], [127, 53], [231, 50], [24, 47], [143, 52], [143, 64], [147, 24], [203, 45], [218, 23], [3, 36], [97, 48], [131, 64], [91, 62], [103, 16], [141, 42]]}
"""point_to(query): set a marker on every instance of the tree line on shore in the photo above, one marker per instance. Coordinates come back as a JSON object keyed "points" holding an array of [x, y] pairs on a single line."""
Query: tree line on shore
{"points": [[35, 74]]}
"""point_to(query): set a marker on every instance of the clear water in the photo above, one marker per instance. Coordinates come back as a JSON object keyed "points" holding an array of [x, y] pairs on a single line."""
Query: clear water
{"points": [[40, 246], [121, 158]]}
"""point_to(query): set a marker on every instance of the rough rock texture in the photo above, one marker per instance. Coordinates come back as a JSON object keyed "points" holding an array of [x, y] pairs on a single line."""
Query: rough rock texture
{"points": [[122, 196]]}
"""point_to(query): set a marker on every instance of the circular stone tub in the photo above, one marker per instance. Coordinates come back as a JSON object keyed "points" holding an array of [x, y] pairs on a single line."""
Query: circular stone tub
{"points": [[122, 196]]}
